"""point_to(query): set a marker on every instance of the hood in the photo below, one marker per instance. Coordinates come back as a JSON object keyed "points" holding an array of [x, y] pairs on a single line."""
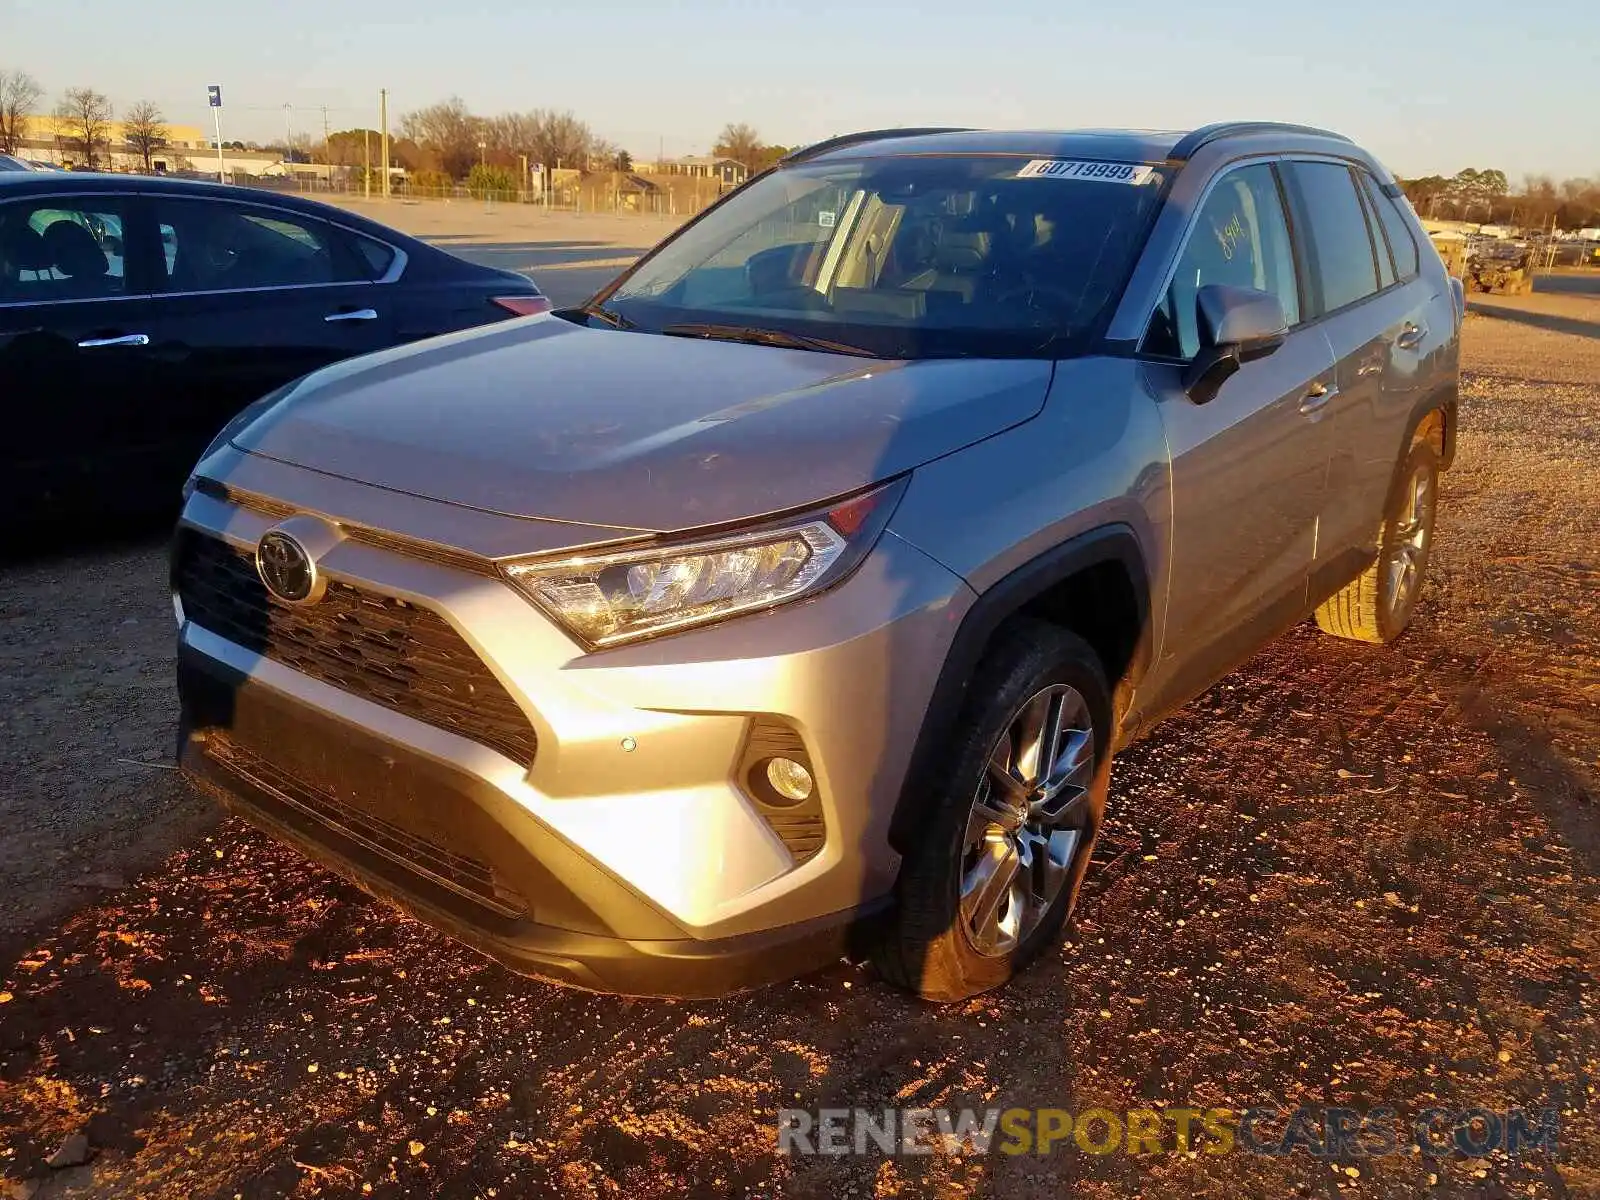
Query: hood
{"points": [[543, 418]]}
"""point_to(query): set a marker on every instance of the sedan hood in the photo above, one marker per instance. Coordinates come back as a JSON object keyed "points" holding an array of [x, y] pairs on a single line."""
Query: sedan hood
{"points": [[543, 418]]}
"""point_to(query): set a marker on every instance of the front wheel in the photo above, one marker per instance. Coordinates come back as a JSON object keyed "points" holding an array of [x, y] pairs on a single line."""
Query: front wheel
{"points": [[1011, 825], [1379, 603]]}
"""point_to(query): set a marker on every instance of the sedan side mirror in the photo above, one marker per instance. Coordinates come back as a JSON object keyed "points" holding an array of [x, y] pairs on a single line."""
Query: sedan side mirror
{"points": [[1237, 325]]}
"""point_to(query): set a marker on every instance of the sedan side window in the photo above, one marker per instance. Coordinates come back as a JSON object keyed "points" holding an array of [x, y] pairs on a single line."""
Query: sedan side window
{"points": [[1239, 238], [61, 249], [377, 256], [212, 246]]}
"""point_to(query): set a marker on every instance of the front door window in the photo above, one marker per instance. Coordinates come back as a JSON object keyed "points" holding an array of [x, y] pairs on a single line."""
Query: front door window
{"points": [[1240, 238]]}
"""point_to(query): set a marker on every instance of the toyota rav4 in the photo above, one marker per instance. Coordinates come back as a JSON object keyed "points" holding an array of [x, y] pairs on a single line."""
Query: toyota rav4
{"points": [[790, 598]]}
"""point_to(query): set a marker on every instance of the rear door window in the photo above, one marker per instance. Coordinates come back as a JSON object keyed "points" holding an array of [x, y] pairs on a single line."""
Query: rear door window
{"points": [[378, 256], [1380, 241], [218, 246], [1240, 238], [65, 248], [1396, 229], [1338, 243]]}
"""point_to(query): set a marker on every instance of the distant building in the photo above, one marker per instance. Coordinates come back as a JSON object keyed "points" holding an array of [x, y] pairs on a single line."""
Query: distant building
{"points": [[186, 149], [727, 171], [53, 140], [635, 192]]}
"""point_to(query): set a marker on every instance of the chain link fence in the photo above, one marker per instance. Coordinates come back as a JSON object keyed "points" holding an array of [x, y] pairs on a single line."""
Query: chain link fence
{"points": [[600, 192]]}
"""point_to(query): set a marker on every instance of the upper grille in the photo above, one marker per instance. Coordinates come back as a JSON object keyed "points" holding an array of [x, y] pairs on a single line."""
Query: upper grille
{"points": [[380, 648], [277, 510]]}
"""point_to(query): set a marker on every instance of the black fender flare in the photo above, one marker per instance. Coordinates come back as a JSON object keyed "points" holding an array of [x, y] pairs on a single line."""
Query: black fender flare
{"points": [[1116, 543], [1444, 401]]}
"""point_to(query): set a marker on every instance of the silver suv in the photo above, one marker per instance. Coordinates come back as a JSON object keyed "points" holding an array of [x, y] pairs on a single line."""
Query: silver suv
{"points": [[791, 597]]}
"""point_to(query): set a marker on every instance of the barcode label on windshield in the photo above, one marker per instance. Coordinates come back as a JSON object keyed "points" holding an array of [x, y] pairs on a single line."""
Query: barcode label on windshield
{"points": [[1105, 172]]}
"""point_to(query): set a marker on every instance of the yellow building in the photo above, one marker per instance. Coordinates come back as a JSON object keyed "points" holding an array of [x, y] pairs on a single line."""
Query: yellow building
{"points": [[59, 141]]}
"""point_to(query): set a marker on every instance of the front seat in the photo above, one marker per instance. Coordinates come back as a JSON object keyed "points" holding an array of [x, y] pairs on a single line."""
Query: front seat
{"points": [[22, 249], [75, 253], [959, 258]]}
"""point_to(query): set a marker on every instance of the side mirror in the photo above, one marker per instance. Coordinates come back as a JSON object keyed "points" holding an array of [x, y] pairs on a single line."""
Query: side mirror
{"points": [[1237, 325]]}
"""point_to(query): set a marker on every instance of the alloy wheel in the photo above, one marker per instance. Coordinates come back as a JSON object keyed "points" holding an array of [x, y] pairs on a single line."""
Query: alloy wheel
{"points": [[1407, 551], [1028, 820]]}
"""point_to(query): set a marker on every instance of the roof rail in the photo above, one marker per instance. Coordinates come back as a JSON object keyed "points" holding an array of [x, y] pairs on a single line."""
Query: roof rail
{"points": [[869, 135], [1190, 143]]}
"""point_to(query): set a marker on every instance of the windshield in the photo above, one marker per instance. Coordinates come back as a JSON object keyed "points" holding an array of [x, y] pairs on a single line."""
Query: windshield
{"points": [[913, 257]]}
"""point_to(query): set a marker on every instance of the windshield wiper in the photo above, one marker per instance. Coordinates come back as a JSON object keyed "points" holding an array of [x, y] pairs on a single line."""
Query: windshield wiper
{"points": [[766, 337], [604, 315]]}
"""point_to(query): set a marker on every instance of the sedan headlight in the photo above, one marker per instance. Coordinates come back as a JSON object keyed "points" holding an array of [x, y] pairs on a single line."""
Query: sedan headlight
{"points": [[607, 599]]}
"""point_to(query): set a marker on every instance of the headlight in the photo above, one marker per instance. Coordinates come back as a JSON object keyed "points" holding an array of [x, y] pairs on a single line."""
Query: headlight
{"points": [[604, 600]]}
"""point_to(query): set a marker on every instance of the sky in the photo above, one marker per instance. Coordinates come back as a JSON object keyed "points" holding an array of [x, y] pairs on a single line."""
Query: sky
{"points": [[1428, 88]]}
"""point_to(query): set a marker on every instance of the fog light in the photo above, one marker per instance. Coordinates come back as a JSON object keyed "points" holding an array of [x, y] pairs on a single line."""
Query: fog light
{"points": [[788, 778]]}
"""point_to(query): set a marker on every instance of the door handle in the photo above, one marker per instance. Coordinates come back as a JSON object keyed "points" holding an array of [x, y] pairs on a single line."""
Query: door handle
{"points": [[1410, 337], [1317, 395], [359, 314], [126, 339]]}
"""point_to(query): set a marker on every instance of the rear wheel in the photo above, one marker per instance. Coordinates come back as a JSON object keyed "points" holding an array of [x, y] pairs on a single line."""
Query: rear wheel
{"points": [[1008, 835], [1378, 604]]}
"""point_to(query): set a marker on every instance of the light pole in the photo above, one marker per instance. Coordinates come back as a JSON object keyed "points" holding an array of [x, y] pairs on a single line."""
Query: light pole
{"points": [[214, 99], [383, 119], [288, 139]]}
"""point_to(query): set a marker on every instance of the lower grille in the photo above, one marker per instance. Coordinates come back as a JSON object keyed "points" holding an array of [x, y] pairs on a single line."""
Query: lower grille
{"points": [[380, 648], [460, 873]]}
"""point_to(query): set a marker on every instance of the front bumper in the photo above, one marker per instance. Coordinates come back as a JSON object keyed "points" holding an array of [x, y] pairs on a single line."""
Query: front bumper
{"points": [[445, 847], [627, 856]]}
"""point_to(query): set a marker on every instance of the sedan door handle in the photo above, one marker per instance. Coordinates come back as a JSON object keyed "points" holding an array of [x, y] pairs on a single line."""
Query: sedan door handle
{"points": [[1317, 395], [1410, 337], [126, 339], [359, 314]]}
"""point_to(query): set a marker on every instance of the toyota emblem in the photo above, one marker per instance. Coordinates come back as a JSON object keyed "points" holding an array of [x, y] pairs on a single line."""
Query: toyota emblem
{"points": [[286, 568]]}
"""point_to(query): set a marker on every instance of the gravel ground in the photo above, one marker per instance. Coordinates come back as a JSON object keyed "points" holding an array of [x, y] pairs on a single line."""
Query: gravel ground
{"points": [[1345, 875]]}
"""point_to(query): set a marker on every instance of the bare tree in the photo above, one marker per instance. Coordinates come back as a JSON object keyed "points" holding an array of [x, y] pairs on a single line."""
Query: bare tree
{"points": [[145, 127], [602, 155], [19, 93], [449, 130], [512, 134], [87, 115], [450, 134], [353, 147], [562, 139], [741, 143]]}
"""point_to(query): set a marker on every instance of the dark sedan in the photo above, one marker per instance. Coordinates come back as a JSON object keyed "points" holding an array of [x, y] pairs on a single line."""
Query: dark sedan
{"points": [[138, 314]]}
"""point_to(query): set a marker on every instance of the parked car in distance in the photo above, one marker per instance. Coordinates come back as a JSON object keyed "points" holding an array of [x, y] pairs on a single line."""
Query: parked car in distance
{"points": [[138, 315], [792, 595]]}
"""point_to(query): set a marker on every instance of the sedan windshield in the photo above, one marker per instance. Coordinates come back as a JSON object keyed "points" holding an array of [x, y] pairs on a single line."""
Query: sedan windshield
{"points": [[913, 257]]}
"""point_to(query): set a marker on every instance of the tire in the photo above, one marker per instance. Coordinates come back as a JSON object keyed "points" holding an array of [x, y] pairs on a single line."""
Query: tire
{"points": [[1369, 608], [930, 945]]}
